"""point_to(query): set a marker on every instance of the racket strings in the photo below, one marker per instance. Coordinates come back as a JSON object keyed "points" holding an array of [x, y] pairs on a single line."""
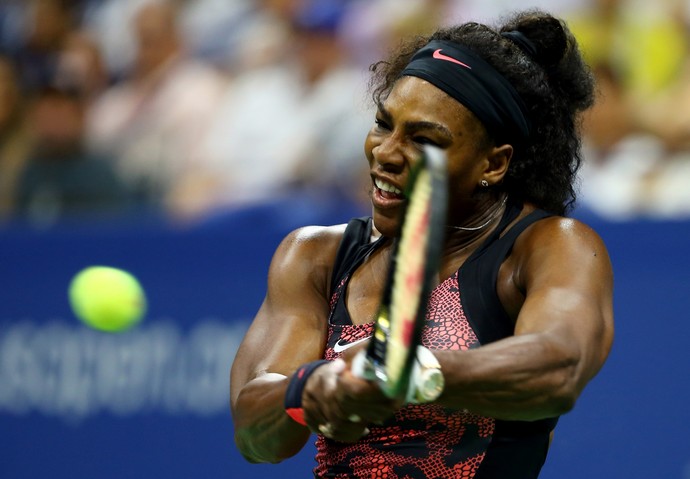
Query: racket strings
{"points": [[408, 281]]}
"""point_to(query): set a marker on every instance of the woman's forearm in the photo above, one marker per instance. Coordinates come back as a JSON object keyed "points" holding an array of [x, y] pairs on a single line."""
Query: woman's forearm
{"points": [[520, 378], [263, 431]]}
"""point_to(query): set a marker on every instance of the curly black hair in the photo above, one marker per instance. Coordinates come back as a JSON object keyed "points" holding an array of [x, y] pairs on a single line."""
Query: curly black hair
{"points": [[555, 84]]}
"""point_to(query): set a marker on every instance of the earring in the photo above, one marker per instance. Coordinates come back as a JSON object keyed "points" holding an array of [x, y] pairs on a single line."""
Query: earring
{"points": [[484, 183]]}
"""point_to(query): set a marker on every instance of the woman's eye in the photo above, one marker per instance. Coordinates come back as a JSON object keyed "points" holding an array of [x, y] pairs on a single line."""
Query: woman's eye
{"points": [[381, 124], [422, 140]]}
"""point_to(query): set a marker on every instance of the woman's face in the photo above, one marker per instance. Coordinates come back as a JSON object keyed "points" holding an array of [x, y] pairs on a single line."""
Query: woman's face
{"points": [[417, 113]]}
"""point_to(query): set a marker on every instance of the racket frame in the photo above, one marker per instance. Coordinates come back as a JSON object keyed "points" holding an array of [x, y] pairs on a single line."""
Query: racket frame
{"points": [[375, 366]]}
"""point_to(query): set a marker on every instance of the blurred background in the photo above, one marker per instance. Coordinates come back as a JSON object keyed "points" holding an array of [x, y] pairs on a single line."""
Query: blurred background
{"points": [[182, 139]]}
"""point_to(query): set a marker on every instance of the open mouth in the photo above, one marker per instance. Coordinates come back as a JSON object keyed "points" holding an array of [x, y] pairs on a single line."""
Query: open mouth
{"points": [[388, 191]]}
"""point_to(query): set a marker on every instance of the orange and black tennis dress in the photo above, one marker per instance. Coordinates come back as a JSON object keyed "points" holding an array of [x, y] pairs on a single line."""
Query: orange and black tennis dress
{"points": [[429, 441]]}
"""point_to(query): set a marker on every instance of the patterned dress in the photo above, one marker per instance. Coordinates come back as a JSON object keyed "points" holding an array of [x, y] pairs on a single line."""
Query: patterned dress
{"points": [[430, 441]]}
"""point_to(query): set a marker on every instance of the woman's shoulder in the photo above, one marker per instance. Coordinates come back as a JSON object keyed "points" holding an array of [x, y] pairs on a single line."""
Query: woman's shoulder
{"points": [[559, 236], [562, 227], [315, 236], [310, 246]]}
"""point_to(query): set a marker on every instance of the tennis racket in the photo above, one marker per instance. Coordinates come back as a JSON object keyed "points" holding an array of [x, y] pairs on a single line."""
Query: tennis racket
{"points": [[391, 356]]}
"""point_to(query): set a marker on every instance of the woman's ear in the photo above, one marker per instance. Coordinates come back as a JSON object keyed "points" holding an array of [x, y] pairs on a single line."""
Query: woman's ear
{"points": [[497, 164]]}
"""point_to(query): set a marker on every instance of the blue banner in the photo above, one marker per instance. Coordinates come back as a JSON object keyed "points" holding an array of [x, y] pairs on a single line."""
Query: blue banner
{"points": [[153, 402]]}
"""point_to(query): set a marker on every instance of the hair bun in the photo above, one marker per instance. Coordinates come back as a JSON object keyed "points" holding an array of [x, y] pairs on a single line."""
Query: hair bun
{"points": [[557, 52], [544, 34]]}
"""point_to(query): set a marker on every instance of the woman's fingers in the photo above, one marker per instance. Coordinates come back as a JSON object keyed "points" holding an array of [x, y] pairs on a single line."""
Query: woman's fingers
{"points": [[341, 406]]}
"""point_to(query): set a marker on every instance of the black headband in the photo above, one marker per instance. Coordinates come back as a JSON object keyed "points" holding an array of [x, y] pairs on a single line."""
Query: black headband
{"points": [[475, 84]]}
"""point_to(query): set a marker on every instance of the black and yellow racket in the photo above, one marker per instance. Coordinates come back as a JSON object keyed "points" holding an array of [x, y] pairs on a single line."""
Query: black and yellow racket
{"points": [[391, 354]]}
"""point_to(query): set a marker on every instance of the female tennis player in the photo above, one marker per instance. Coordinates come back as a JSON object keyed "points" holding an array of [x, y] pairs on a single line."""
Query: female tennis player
{"points": [[520, 317]]}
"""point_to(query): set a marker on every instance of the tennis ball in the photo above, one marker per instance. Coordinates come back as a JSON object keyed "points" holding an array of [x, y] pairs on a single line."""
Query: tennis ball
{"points": [[107, 299]]}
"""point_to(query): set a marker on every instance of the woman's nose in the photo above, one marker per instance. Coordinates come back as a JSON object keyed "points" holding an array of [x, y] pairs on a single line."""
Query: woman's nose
{"points": [[388, 154]]}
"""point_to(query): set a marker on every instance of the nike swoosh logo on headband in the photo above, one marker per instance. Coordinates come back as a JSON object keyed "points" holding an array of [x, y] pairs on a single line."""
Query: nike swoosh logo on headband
{"points": [[339, 347], [440, 56]]}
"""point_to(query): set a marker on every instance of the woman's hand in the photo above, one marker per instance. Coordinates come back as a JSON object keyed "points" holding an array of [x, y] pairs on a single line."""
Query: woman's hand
{"points": [[342, 406]]}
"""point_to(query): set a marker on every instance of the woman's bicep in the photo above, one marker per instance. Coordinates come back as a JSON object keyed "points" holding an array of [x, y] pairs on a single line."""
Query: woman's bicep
{"points": [[568, 284], [291, 325]]}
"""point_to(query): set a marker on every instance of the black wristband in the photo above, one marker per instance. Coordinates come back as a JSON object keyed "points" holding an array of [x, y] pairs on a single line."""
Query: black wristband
{"points": [[293, 395]]}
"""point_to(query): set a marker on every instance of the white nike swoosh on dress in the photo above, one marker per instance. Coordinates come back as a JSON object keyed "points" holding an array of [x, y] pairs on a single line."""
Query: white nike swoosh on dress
{"points": [[339, 346]]}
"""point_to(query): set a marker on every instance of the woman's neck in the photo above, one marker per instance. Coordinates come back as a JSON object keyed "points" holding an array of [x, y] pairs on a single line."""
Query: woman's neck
{"points": [[477, 227]]}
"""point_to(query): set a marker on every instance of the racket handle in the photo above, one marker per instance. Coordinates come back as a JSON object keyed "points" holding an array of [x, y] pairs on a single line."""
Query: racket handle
{"points": [[363, 367], [426, 379]]}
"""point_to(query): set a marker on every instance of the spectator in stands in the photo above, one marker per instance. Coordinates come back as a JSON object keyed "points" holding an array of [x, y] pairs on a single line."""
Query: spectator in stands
{"points": [[637, 161], [152, 122], [60, 179], [620, 156], [80, 66], [13, 136], [605, 28], [294, 124], [47, 24]]}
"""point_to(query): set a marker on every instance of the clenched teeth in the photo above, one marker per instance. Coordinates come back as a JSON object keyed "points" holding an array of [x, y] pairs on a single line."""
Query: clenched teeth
{"points": [[382, 185]]}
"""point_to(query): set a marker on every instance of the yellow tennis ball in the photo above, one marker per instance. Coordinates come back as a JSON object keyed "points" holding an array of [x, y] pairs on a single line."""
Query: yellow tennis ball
{"points": [[107, 299]]}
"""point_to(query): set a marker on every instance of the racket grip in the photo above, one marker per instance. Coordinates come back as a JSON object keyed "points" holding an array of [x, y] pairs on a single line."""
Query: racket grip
{"points": [[363, 367], [426, 379]]}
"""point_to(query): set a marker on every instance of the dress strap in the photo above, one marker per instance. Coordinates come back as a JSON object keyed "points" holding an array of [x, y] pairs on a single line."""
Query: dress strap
{"points": [[477, 278], [354, 247]]}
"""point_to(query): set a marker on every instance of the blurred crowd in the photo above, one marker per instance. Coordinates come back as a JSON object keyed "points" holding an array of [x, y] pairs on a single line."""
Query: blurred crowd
{"points": [[192, 107]]}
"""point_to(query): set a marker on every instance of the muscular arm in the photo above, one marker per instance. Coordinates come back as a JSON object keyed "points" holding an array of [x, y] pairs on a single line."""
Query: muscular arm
{"points": [[564, 329], [288, 331]]}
